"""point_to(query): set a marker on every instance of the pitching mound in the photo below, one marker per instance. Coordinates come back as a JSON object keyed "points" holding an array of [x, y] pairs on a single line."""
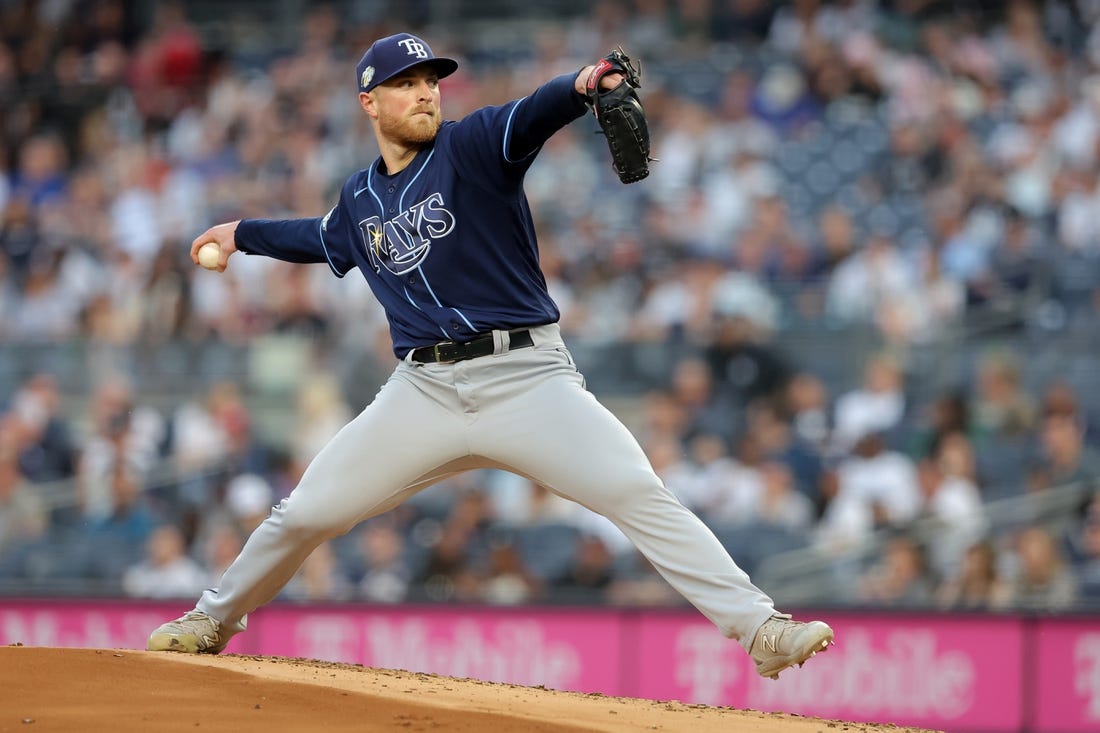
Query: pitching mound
{"points": [[105, 690]]}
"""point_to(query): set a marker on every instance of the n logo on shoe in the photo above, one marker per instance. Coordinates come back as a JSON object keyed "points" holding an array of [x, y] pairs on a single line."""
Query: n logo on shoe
{"points": [[772, 640]]}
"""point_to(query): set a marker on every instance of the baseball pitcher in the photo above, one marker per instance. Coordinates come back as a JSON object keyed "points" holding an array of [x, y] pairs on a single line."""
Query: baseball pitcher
{"points": [[440, 229]]}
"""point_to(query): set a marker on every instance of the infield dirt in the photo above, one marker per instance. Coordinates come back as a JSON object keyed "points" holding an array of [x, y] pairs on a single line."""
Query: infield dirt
{"points": [[122, 690]]}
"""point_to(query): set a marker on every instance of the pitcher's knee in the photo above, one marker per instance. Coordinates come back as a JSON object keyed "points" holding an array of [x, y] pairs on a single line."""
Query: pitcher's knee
{"points": [[303, 521], [625, 494]]}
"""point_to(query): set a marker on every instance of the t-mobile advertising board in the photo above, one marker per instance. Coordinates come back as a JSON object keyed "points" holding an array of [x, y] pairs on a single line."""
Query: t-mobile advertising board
{"points": [[964, 674], [568, 650], [944, 673], [1066, 675]]}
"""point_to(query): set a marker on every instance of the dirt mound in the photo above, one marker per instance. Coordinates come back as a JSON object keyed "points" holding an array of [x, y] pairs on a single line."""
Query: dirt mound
{"points": [[113, 690]]}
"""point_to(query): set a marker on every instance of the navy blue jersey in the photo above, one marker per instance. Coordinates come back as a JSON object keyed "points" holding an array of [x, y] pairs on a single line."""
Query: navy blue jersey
{"points": [[447, 245]]}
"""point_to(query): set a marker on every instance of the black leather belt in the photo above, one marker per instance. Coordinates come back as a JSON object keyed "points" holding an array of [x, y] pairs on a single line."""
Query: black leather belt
{"points": [[483, 345]]}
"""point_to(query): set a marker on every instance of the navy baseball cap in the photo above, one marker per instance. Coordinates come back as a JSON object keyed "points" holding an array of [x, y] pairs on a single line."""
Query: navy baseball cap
{"points": [[387, 57]]}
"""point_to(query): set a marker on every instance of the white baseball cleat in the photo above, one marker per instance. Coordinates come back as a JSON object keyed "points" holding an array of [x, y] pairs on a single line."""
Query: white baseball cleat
{"points": [[782, 642], [193, 633]]}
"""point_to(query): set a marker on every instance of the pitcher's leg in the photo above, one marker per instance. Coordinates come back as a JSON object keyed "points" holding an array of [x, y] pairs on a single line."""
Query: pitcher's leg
{"points": [[366, 469], [569, 442]]}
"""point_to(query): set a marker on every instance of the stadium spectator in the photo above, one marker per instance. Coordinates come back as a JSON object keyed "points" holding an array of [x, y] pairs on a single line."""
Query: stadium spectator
{"points": [[725, 488], [694, 386], [782, 506], [781, 443], [946, 414], [166, 295], [976, 584], [901, 578], [166, 571], [806, 399], [952, 500], [449, 573], [321, 412], [876, 406], [40, 173], [590, 574], [218, 543], [637, 583], [384, 575], [321, 578], [164, 64], [1042, 579], [205, 431], [868, 282], [1085, 550], [109, 543], [772, 251], [742, 297], [1060, 398], [19, 241], [455, 566], [47, 446], [875, 488], [508, 581], [46, 312], [927, 311], [834, 242], [745, 363], [126, 440], [1001, 407], [23, 516], [201, 441], [1064, 458], [1016, 273], [249, 499]]}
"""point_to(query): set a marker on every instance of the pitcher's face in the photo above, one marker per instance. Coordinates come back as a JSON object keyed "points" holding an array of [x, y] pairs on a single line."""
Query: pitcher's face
{"points": [[407, 106]]}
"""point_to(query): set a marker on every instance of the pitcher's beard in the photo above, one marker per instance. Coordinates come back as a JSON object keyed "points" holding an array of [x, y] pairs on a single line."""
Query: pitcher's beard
{"points": [[412, 131]]}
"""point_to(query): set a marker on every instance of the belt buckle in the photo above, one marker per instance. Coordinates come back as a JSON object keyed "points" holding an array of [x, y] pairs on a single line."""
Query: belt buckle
{"points": [[439, 357]]}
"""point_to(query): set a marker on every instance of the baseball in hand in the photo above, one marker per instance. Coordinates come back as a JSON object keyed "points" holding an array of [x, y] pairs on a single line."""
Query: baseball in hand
{"points": [[209, 255]]}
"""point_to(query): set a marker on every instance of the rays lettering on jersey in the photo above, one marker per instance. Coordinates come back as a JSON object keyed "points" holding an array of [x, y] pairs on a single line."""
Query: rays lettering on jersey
{"points": [[402, 243]]}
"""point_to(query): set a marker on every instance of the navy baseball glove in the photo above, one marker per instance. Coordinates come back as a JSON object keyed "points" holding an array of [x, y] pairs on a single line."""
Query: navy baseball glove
{"points": [[621, 117]]}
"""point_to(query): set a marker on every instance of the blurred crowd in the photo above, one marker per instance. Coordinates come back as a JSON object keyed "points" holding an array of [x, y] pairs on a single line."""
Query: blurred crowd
{"points": [[923, 173]]}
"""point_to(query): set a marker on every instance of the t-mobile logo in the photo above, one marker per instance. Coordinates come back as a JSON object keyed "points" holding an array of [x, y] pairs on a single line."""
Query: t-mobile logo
{"points": [[1086, 658], [414, 48]]}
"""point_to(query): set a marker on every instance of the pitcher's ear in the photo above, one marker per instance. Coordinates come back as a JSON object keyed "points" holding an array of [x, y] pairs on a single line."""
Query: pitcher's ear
{"points": [[367, 102]]}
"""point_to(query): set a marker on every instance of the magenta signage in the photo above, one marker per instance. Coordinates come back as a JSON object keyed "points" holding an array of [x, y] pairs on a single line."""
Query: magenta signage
{"points": [[564, 650], [956, 673], [84, 625], [944, 673], [89, 624], [1067, 675]]}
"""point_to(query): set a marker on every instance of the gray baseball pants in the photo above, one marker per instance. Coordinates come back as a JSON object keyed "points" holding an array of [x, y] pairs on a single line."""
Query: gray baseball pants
{"points": [[526, 411]]}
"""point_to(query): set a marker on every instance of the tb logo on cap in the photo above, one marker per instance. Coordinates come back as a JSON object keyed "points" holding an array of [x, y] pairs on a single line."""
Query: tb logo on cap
{"points": [[414, 48]]}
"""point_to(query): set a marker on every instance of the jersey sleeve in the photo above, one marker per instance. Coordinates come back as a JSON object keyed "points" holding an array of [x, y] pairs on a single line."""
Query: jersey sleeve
{"points": [[536, 117], [327, 238], [496, 145]]}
